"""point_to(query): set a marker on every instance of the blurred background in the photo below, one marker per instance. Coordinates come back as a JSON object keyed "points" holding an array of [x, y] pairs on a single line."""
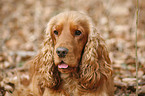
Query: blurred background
{"points": [[22, 29]]}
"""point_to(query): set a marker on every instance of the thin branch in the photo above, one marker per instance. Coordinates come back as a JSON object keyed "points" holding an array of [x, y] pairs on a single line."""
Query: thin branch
{"points": [[136, 47]]}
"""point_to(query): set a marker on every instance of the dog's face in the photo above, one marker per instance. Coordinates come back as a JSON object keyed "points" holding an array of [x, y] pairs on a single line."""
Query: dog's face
{"points": [[69, 34]]}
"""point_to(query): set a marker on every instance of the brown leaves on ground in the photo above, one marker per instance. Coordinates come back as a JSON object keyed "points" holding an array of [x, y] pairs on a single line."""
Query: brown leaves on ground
{"points": [[22, 25]]}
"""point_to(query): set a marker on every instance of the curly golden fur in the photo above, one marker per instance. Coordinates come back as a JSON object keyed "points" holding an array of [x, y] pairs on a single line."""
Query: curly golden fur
{"points": [[89, 72]]}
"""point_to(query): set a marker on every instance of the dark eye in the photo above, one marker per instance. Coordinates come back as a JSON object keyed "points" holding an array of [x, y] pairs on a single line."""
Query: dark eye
{"points": [[78, 32], [55, 32]]}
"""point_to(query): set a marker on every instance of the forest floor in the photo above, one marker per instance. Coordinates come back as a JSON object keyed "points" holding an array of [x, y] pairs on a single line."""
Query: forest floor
{"points": [[22, 29]]}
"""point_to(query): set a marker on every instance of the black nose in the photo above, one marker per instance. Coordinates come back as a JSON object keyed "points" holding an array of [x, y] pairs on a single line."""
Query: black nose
{"points": [[61, 51]]}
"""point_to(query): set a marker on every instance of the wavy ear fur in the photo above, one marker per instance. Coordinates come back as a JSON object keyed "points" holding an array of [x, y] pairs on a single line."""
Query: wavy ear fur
{"points": [[43, 63], [96, 65]]}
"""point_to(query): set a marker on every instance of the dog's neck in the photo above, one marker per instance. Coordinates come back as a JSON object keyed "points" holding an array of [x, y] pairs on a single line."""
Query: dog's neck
{"points": [[64, 75], [73, 75], [69, 82]]}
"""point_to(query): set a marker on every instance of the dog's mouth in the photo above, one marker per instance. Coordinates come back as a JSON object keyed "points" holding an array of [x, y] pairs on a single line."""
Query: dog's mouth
{"points": [[65, 68], [63, 65]]}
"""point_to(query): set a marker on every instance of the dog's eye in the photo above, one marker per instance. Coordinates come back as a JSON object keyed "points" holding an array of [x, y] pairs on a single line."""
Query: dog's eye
{"points": [[78, 32], [55, 32]]}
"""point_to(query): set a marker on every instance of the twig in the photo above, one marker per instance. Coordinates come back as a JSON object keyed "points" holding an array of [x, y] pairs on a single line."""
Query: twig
{"points": [[136, 47], [22, 53]]}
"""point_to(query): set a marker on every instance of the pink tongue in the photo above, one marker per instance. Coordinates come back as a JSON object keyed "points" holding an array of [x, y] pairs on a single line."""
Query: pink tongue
{"points": [[63, 66]]}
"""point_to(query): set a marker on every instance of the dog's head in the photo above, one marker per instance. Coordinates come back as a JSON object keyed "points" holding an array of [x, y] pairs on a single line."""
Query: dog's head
{"points": [[69, 32], [72, 42]]}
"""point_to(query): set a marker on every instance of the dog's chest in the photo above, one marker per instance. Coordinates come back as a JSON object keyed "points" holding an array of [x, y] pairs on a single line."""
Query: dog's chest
{"points": [[69, 85]]}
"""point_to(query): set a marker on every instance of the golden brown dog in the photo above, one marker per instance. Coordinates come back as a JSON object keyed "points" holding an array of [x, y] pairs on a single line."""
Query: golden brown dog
{"points": [[73, 61]]}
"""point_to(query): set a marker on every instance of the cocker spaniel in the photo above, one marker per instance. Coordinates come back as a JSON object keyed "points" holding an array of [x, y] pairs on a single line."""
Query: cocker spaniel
{"points": [[73, 61]]}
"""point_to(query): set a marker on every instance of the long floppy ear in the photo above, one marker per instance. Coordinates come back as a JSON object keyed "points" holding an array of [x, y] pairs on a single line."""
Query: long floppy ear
{"points": [[44, 63], [96, 65]]}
